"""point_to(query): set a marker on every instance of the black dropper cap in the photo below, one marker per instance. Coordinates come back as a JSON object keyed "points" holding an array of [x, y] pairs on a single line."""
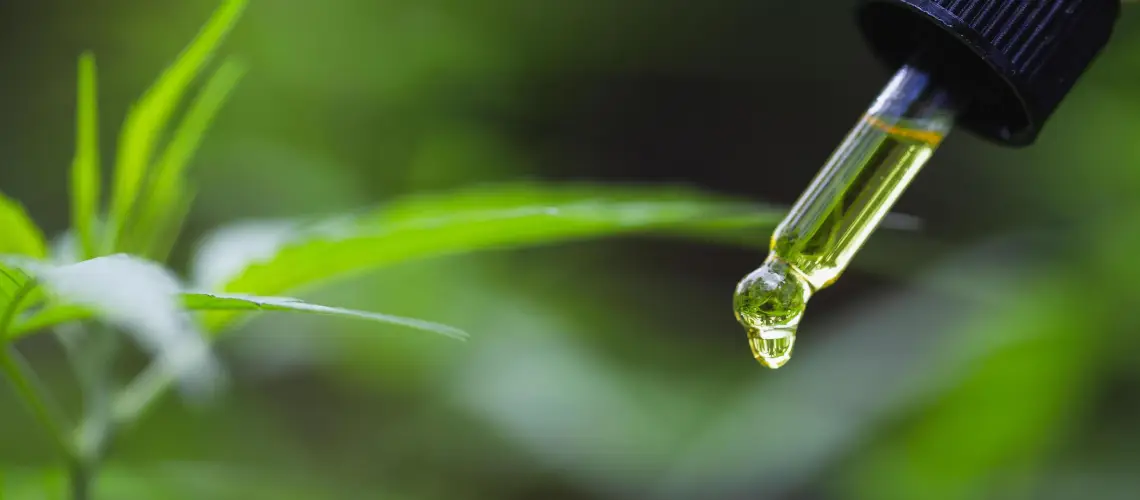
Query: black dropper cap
{"points": [[1017, 58]]}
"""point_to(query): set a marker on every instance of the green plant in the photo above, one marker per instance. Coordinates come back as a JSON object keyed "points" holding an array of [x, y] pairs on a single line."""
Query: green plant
{"points": [[104, 278]]}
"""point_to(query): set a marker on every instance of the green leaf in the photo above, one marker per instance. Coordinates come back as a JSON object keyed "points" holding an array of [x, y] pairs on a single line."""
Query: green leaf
{"points": [[166, 232], [148, 118], [18, 288], [21, 236], [12, 282], [1007, 413], [142, 299], [48, 317], [60, 313], [11, 279], [85, 176], [166, 196], [431, 226], [227, 302]]}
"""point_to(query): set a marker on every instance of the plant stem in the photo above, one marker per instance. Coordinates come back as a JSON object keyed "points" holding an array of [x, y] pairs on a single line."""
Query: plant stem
{"points": [[92, 353], [81, 475], [48, 415], [32, 392], [38, 399]]}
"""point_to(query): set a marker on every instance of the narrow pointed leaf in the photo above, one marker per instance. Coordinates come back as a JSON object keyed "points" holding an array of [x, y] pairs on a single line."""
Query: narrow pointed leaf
{"points": [[166, 233], [148, 118], [85, 175], [166, 194], [19, 235]]}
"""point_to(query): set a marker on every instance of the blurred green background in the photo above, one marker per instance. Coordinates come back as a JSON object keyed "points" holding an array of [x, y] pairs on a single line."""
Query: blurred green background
{"points": [[989, 353]]}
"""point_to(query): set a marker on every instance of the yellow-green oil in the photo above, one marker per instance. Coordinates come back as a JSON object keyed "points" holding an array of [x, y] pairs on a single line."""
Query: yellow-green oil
{"points": [[827, 226]]}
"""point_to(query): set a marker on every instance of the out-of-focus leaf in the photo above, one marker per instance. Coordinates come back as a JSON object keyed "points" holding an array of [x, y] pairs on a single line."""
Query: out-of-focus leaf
{"points": [[148, 118], [166, 233], [47, 318], [85, 174], [11, 279], [165, 197], [33, 484], [1011, 406], [772, 434], [423, 227], [142, 298], [20, 236], [549, 395]]}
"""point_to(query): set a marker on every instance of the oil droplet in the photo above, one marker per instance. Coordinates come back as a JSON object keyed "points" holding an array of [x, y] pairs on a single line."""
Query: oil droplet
{"points": [[772, 348], [769, 302]]}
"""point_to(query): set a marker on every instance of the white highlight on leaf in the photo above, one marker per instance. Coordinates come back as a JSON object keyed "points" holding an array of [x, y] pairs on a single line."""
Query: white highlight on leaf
{"points": [[65, 248], [143, 299], [222, 255]]}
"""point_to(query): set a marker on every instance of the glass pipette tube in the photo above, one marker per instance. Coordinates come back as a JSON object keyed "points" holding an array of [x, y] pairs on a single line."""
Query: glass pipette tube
{"points": [[843, 205]]}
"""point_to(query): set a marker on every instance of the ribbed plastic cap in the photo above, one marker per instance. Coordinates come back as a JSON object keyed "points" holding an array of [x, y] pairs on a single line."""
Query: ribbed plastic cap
{"points": [[1019, 58]]}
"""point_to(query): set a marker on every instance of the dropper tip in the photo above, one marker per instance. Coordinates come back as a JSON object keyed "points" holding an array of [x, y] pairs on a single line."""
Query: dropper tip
{"points": [[772, 348], [769, 303], [773, 363]]}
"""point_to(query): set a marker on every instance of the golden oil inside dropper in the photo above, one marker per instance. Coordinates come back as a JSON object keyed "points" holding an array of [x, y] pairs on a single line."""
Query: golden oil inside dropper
{"points": [[839, 211]]}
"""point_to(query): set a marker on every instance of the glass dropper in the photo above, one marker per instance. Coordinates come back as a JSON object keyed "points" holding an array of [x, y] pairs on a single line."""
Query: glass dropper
{"points": [[847, 200], [1015, 59]]}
